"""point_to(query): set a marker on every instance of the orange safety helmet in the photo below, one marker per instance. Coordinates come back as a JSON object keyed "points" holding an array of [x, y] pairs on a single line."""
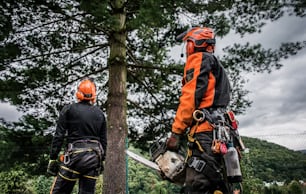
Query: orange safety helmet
{"points": [[200, 39], [86, 91]]}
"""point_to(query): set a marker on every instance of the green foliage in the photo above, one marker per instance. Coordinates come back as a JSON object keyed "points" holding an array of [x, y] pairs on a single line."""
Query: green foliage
{"points": [[14, 182], [27, 148], [273, 189], [251, 183], [271, 162], [295, 188], [99, 185], [41, 184]]}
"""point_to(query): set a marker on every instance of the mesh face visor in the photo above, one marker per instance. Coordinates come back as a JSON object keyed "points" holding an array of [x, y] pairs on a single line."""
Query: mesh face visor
{"points": [[87, 95], [207, 41]]}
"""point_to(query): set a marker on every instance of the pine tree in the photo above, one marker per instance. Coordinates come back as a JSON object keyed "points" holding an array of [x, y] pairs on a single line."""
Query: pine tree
{"points": [[46, 47]]}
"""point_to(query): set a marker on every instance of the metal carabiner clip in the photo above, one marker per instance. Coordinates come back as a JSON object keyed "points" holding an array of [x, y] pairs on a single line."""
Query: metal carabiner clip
{"points": [[198, 115], [66, 158]]}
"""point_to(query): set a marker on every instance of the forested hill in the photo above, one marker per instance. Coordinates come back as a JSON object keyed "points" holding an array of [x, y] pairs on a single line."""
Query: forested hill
{"points": [[303, 151], [271, 162]]}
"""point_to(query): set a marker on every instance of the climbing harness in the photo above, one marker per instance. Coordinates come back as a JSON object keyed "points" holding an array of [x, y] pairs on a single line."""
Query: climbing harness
{"points": [[80, 146]]}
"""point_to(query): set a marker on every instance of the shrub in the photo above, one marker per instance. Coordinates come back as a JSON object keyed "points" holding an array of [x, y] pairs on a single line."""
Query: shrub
{"points": [[14, 182], [42, 184]]}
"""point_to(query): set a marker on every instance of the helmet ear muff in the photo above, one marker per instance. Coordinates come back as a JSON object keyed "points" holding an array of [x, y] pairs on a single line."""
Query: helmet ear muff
{"points": [[189, 48], [79, 95], [86, 91]]}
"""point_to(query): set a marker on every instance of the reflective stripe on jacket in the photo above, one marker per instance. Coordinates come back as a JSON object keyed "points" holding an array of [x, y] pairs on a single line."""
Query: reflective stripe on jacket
{"points": [[205, 85]]}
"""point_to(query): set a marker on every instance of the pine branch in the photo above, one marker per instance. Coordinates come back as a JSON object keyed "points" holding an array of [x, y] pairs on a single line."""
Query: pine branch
{"points": [[59, 52], [137, 106], [85, 76], [73, 62], [39, 26], [148, 89]]}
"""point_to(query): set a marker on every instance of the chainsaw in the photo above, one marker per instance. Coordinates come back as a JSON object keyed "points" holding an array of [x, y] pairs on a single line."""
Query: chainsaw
{"points": [[170, 165]]}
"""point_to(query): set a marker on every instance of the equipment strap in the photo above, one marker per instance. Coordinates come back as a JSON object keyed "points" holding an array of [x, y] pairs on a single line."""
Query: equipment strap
{"points": [[66, 178], [193, 141], [70, 170], [199, 116]]}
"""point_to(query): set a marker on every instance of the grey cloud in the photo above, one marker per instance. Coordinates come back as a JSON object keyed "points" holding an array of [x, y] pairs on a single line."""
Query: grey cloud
{"points": [[9, 112]]}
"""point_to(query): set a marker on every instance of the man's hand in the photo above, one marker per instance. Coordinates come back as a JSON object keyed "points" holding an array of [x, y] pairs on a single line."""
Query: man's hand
{"points": [[52, 167], [173, 142]]}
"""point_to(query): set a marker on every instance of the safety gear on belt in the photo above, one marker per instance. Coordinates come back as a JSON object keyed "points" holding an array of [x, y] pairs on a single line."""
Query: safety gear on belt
{"points": [[232, 120], [86, 91], [204, 163], [173, 142], [223, 136], [225, 128], [231, 160], [53, 167]]}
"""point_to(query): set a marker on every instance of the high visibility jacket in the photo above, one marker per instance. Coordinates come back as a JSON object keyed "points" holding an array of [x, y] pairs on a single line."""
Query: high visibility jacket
{"points": [[205, 85], [79, 121]]}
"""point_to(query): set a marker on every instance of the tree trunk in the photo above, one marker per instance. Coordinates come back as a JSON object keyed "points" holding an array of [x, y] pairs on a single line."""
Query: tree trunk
{"points": [[115, 164]]}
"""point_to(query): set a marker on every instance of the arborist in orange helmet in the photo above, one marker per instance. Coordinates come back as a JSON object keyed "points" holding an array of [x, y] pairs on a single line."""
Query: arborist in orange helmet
{"points": [[205, 87], [83, 126]]}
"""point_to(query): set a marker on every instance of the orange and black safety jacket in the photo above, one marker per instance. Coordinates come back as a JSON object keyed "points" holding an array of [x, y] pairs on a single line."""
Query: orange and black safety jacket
{"points": [[205, 85]]}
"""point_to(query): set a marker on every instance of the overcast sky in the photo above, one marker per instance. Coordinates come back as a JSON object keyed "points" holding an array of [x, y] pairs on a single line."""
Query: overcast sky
{"points": [[278, 112]]}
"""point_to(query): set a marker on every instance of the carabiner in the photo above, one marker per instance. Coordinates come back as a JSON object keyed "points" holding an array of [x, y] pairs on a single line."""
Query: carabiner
{"points": [[66, 158], [198, 115]]}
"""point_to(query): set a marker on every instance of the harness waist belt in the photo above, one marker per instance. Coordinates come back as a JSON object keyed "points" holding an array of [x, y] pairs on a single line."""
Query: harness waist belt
{"points": [[85, 144], [197, 164]]}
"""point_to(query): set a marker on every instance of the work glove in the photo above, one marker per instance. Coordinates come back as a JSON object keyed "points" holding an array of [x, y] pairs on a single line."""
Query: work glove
{"points": [[173, 142], [53, 167]]}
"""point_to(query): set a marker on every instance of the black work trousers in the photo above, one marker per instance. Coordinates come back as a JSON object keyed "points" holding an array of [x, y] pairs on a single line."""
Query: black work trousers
{"points": [[199, 182], [64, 186], [83, 166]]}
